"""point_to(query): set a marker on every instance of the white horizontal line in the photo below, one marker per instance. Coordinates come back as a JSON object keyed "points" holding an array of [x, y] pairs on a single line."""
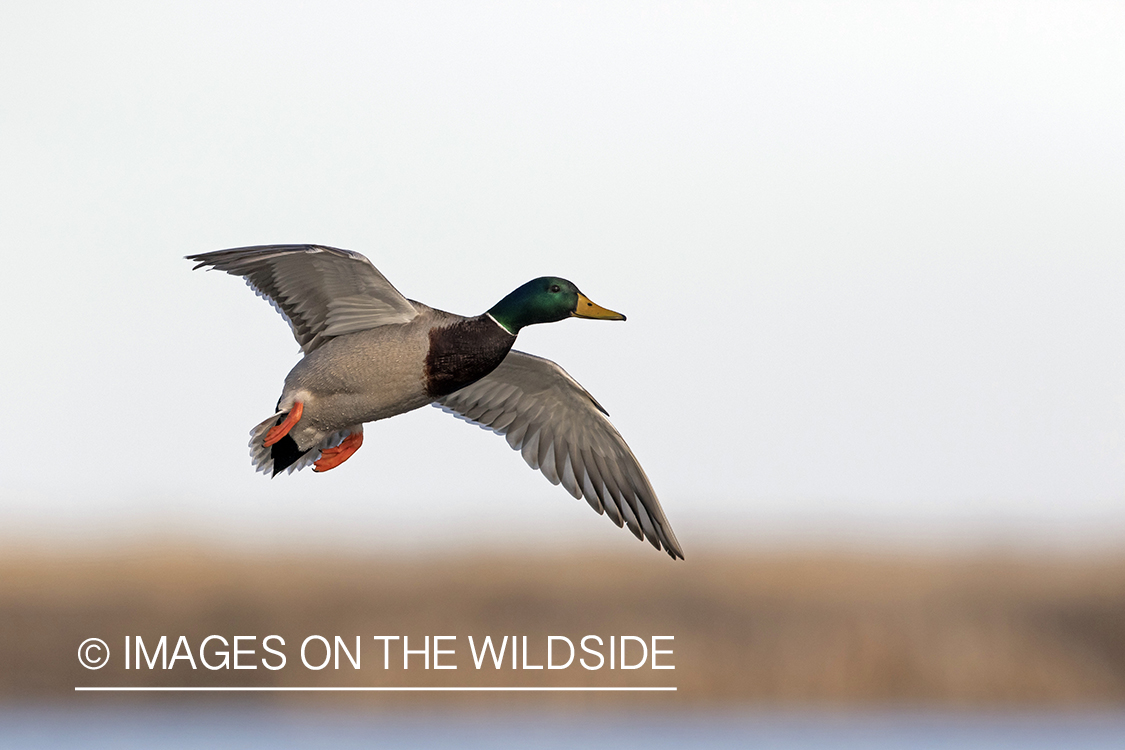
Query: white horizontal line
{"points": [[371, 689]]}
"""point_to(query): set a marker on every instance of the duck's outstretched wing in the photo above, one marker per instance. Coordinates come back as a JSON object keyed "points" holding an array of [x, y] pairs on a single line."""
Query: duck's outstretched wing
{"points": [[322, 292], [563, 432]]}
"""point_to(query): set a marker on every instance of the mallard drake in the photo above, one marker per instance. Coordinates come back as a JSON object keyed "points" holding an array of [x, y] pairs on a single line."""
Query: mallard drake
{"points": [[370, 353]]}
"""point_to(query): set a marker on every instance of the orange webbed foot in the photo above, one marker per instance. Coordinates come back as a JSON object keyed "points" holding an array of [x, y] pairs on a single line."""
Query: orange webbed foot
{"points": [[278, 432], [330, 458]]}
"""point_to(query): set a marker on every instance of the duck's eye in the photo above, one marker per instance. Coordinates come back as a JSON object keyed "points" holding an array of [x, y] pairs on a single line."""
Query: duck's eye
{"points": [[555, 288]]}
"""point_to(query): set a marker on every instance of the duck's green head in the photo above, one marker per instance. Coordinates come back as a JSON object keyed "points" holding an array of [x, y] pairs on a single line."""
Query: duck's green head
{"points": [[545, 300]]}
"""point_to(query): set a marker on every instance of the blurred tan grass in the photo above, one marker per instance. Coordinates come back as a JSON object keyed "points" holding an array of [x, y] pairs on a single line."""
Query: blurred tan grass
{"points": [[774, 629]]}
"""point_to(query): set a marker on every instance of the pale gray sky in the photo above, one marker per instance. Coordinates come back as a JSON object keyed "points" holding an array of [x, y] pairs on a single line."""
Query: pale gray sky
{"points": [[871, 256]]}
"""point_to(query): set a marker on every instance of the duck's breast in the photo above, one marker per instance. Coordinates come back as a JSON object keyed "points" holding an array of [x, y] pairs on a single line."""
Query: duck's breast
{"points": [[463, 352]]}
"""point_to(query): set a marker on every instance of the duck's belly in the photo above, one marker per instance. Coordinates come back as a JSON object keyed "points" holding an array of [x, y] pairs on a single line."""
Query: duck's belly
{"points": [[360, 377]]}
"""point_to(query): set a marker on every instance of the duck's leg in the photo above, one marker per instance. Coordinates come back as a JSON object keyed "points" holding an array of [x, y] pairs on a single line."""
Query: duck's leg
{"points": [[292, 418], [330, 458]]}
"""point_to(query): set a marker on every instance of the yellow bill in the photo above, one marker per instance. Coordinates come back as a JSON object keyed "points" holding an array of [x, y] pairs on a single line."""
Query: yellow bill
{"points": [[587, 309]]}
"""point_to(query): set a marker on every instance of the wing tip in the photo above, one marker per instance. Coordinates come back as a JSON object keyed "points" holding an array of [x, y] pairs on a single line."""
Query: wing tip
{"points": [[671, 546]]}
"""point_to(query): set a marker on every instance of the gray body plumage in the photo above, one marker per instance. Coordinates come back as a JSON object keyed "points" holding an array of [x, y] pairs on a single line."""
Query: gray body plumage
{"points": [[362, 377], [369, 355]]}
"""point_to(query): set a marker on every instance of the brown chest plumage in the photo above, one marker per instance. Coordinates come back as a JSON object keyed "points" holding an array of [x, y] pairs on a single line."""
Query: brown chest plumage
{"points": [[463, 353]]}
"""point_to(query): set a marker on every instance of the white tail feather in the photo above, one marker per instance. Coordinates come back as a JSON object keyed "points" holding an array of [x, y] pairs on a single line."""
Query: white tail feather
{"points": [[260, 455]]}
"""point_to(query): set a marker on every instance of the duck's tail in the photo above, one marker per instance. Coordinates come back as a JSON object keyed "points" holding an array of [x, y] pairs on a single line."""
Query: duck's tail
{"points": [[285, 454]]}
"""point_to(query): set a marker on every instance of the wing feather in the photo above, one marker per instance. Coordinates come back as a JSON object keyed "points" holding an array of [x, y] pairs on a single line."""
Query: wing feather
{"points": [[530, 449], [569, 480], [592, 493], [547, 464], [322, 292], [563, 432]]}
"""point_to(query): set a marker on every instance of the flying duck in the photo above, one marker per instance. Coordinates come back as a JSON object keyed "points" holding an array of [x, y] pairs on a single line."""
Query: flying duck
{"points": [[370, 353]]}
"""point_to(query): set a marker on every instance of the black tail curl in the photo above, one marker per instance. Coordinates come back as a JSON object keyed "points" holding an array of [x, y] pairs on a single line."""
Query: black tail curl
{"points": [[285, 453]]}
